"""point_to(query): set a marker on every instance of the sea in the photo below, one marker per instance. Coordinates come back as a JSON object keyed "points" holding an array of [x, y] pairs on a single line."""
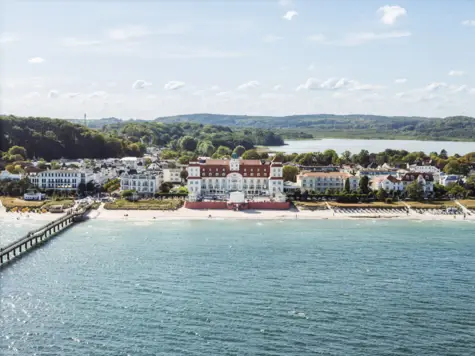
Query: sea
{"points": [[221, 287], [374, 146]]}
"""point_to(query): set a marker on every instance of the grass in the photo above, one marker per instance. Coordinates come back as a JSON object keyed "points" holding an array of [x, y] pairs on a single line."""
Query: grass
{"points": [[441, 204], [164, 204], [468, 203], [310, 205], [66, 203], [20, 203]]}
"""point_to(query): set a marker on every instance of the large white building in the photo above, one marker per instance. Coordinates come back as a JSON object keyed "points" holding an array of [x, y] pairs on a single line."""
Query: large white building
{"points": [[5, 175], [388, 183], [172, 175], [220, 177], [58, 179], [424, 169], [144, 183], [321, 181]]}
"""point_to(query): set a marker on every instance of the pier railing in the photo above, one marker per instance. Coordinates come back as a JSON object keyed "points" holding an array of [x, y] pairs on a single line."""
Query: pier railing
{"points": [[37, 237]]}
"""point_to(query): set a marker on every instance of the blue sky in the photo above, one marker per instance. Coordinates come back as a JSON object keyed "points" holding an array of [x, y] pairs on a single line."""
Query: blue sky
{"points": [[146, 59]]}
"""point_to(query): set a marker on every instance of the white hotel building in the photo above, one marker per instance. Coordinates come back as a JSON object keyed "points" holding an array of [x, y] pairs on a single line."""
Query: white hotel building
{"points": [[58, 179], [220, 177], [144, 183]]}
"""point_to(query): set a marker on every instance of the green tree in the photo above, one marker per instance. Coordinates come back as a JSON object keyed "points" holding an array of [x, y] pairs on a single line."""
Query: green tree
{"points": [[381, 194], [206, 148], [347, 185], [184, 175], [187, 143], [290, 173], [364, 184], [55, 165], [346, 157], [18, 150], [456, 190], [223, 151], [439, 191], [415, 191], [443, 154], [239, 150], [127, 193], [165, 187], [251, 154]]}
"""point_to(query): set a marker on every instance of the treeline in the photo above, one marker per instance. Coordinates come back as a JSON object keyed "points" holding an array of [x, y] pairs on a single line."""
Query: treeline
{"points": [[157, 133], [54, 138], [369, 126]]}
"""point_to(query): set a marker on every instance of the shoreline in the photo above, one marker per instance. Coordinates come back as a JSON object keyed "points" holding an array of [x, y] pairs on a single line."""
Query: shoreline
{"points": [[102, 214]]}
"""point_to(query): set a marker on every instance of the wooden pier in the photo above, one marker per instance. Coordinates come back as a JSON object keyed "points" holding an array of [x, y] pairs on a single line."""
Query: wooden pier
{"points": [[39, 236]]}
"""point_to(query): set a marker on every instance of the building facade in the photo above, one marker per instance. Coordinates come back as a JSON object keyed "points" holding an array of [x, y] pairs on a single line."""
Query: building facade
{"points": [[388, 183], [219, 177], [58, 179], [426, 180], [172, 175], [144, 183], [320, 182]]}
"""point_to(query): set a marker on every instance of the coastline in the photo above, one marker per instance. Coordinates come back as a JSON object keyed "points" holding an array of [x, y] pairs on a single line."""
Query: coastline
{"points": [[188, 214]]}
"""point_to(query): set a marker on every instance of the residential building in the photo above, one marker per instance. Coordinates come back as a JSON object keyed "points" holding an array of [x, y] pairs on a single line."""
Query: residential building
{"points": [[33, 195], [6, 175], [388, 183], [369, 172], [320, 181], [58, 179], [319, 168], [426, 180], [222, 176], [144, 183], [449, 179], [424, 169], [172, 175]]}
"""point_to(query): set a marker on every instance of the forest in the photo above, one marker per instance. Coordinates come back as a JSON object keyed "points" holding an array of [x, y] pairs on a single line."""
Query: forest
{"points": [[53, 138], [455, 128]]}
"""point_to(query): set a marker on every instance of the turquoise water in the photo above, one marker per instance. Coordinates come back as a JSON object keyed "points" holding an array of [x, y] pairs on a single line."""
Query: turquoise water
{"points": [[244, 288]]}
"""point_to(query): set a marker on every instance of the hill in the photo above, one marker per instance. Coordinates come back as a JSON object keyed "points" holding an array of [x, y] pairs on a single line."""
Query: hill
{"points": [[351, 126]]}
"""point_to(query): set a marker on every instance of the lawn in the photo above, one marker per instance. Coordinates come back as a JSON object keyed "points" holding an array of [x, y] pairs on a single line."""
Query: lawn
{"points": [[310, 205], [66, 203], [468, 203], [164, 204], [9, 203], [441, 204]]}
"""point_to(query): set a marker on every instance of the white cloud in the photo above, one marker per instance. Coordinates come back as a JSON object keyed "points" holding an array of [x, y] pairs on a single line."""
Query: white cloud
{"points": [[317, 37], [334, 84], [468, 23], [354, 39], [214, 88], [390, 14], [53, 94], [459, 88], [140, 84], [400, 81], [311, 67], [435, 86], [76, 42], [289, 15], [272, 38], [36, 60], [174, 85], [249, 85], [277, 87], [456, 73], [7, 37]]}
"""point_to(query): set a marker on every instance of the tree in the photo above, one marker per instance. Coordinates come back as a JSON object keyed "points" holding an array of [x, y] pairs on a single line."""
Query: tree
{"points": [[443, 154], [239, 150], [381, 194], [439, 190], [187, 143], [10, 168], [223, 151], [415, 191], [165, 187], [452, 167], [290, 173], [41, 165], [455, 190], [127, 193], [364, 184], [18, 150], [147, 162], [346, 157], [81, 188], [347, 185], [184, 175], [55, 165], [206, 148], [251, 154]]}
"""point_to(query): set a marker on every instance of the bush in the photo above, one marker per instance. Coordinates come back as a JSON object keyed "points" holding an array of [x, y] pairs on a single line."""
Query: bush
{"points": [[389, 201]]}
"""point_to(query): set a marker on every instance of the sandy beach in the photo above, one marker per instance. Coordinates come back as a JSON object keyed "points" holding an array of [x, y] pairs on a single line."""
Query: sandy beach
{"points": [[293, 214]]}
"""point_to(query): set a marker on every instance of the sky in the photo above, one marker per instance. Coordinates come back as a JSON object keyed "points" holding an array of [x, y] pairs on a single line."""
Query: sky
{"points": [[144, 59]]}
